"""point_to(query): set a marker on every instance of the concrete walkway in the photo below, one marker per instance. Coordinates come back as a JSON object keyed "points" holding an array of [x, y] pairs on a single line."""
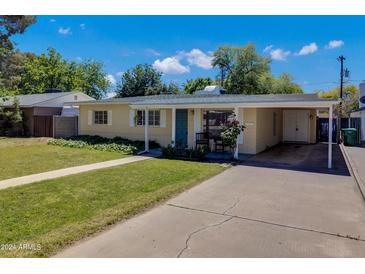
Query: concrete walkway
{"points": [[246, 211], [69, 171], [356, 158]]}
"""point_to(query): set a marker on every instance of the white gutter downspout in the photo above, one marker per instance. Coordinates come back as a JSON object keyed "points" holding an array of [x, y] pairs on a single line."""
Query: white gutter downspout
{"points": [[173, 127]]}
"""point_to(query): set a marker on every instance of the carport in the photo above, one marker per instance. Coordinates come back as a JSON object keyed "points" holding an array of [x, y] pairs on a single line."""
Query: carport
{"points": [[301, 157]]}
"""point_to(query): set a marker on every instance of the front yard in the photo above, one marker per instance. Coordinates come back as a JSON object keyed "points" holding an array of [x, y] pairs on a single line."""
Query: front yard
{"points": [[52, 214], [25, 156]]}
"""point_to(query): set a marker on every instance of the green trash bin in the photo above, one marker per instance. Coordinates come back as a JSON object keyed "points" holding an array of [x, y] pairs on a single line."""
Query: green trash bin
{"points": [[349, 136]]}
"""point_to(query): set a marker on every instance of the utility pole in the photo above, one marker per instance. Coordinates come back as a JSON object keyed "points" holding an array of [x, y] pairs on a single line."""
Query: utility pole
{"points": [[341, 59]]}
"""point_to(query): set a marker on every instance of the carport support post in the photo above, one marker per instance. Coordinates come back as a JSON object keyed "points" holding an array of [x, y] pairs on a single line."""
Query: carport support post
{"points": [[236, 148], [173, 126], [330, 121], [146, 139]]}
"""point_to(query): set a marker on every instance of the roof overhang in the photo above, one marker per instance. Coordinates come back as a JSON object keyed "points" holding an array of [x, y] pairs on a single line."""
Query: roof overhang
{"points": [[323, 104], [95, 103]]}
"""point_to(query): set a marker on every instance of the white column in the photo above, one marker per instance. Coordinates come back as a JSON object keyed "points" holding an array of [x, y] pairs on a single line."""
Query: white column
{"points": [[173, 126], [197, 122], [330, 110], [236, 110], [146, 138]]}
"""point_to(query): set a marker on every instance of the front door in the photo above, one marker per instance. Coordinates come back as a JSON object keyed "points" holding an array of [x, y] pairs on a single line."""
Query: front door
{"points": [[181, 128]]}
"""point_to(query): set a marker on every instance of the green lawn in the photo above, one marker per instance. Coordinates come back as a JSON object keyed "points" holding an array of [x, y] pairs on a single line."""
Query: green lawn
{"points": [[57, 212], [25, 156]]}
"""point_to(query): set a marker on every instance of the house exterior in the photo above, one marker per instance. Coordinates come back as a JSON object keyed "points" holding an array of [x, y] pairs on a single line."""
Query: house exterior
{"points": [[39, 109], [178, 119], [360, 113]]}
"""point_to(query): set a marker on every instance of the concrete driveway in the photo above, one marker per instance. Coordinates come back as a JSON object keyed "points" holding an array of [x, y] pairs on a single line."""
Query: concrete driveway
{"points": [[246, 211]]}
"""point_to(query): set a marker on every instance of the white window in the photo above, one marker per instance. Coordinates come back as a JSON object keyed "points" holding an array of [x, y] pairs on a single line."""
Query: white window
{"points": [[154, 118], [101, 117]]}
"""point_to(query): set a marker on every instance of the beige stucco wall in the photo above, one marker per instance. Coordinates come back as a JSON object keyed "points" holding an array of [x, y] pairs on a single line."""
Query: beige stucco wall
{"points": [[258, 134], [120, 125], [249, 133], [265, 137]]}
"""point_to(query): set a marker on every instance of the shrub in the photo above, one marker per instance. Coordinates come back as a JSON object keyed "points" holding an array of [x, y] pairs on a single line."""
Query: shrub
{"points": [[169, 152], [230, 131], [117, 144], [201, 152], [12, 120]]}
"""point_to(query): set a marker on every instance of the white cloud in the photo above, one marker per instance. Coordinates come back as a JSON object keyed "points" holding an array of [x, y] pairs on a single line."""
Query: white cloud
{"points": [[119, 73], [198, 58], [170, 65], [82, 26], [268, 48], [335, 44], [64, 31], [78, 58], [279, 54], [52, 20], [153, 52], [111, 94], [276, 54], [308, 49], [111, 79]]}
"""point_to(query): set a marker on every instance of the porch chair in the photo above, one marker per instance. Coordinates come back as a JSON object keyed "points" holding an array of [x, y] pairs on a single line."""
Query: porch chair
{"points": [[219, 145], [202, 139]]}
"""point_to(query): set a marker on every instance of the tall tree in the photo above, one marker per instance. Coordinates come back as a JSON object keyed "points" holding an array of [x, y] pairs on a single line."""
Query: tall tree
{"points": [[171, 88], [13, 24], [10, 25], [93, 80], [284, 84], [199, 83], [11, 70], [350, 98], [51, 71], [246, 71], [46, 71], [223, 58], [139, 81]]}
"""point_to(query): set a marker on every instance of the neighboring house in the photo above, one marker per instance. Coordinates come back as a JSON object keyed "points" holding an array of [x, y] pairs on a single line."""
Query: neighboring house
{"points": [[183, 119], [39, 109], [360, 113]]}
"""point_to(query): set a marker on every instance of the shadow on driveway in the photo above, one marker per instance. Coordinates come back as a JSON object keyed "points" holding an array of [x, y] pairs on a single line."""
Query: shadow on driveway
{"points": [[301, 157]]}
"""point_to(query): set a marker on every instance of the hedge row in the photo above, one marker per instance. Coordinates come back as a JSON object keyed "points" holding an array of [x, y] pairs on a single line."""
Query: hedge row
{"points": [[116, 144]]}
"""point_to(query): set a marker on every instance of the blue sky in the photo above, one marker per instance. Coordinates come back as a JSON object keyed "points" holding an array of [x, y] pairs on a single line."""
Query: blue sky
{"points": [[180, 46]]}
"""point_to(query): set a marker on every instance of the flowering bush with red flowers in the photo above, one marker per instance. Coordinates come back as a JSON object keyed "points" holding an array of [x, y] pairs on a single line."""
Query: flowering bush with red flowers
{"points": [[230, 131]]}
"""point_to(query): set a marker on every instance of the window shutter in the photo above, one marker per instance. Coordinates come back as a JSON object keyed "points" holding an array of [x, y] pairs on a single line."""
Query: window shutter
{"points": [[132, 119], [89, 117], [110, 118], [162, 118]]}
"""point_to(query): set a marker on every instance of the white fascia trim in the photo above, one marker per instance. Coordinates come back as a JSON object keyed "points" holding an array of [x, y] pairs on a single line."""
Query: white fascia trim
{"points": [[96, 103], [314, 105]]}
